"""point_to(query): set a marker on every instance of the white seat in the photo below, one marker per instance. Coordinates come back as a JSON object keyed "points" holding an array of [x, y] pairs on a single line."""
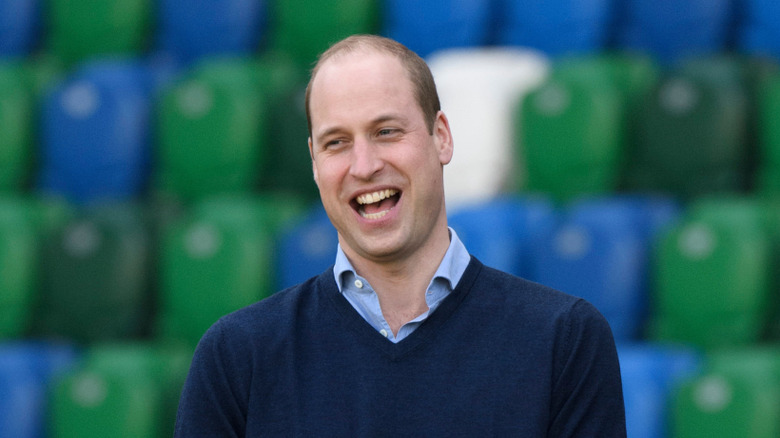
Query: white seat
{"points": [[479, 90]]}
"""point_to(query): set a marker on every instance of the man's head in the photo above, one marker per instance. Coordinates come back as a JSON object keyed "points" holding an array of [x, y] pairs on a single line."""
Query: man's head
{"points": [[377, 157], [418, 71]]}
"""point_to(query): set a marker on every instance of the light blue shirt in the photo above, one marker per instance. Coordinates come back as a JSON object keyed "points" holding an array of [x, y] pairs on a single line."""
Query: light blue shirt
{"points": [[364, 299]]}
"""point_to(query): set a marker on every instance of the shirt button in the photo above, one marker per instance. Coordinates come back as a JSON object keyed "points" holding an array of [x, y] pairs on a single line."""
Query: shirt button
{"points": [[383, 332], [358, 284]]}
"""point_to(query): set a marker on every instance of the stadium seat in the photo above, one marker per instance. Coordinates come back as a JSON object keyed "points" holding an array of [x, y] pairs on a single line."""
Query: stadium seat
{"points": [[558, 27], [769, 137], [95, 137], [288, 163], [651, 374], [737, 395], [302, 29], [96, 276], [217, 259], [192, 29], [713, 274], [693, 132], [307, 249], [17, 123], [601, 251], [422, 27], [20, 27], [478, 89], [217, 121], [129, 389], [19, 260], [573, 131], [78, 30], [759, 30], [504, 232], [26, 371], [671, 30]]}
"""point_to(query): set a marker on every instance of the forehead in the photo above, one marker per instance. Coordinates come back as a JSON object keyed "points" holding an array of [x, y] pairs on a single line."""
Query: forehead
{"points": [[358, 77]]}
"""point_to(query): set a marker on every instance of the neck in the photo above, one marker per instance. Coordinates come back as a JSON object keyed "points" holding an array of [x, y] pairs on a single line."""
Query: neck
{"points": [[401, 284]]}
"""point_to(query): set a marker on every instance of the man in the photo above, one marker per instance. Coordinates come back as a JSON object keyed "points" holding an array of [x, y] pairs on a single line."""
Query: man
{"points": [[407, 335]]}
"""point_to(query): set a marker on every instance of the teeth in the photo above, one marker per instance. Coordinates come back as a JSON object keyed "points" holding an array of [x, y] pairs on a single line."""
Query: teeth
{"points": [[373, 215], [370, 198]]}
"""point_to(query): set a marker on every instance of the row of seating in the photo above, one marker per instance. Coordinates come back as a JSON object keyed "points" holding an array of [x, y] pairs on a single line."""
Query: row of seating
{"points": [[674, 391], [670, 390], [701, 274], [521, 122], [75, 30], [56, 389]]}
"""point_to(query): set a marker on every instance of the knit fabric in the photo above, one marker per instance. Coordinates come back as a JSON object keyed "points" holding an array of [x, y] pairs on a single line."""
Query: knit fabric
{"points": [[501, 356]]}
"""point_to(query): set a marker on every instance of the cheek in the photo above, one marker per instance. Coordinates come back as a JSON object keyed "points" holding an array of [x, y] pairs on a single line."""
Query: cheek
{"points": [[325, 175]]}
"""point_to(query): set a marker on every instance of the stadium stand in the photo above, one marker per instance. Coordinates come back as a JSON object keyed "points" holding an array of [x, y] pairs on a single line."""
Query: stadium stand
{"points": [[138, 135]]}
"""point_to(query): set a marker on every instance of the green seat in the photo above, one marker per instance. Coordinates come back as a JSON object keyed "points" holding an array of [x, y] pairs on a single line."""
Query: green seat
{"points": [[81, 29], [219, 259], [16, 124], [769, 137], [693, 135], [95, 282], [19, 242], [288, 163], [737, 396], [215, 129], [713, 274], [274, 211], [303, 29], [768, 179], [575, 126], [130, 390]]}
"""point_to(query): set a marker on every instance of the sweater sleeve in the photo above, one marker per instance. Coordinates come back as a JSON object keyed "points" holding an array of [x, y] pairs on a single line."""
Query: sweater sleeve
{"points": [[213, 400], [587, 399]]}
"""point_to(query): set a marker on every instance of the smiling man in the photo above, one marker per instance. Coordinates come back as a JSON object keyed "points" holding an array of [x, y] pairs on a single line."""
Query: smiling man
{"points": [[407, 334]]}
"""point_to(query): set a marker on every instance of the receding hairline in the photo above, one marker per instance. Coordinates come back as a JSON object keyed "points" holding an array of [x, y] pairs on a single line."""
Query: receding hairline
{"points": [[384, 46]]}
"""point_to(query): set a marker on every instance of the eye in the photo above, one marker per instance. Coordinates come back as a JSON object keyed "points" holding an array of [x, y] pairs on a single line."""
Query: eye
{"points": [[333, 143], [388, 132]]}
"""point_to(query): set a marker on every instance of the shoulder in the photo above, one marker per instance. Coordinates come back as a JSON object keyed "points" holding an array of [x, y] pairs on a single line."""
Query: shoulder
{"points": [[272, 319], [522, 295], [549, 313]]}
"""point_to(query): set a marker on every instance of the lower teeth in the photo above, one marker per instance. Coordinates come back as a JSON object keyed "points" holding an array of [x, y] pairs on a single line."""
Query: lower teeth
{"points": [[373, 215]]}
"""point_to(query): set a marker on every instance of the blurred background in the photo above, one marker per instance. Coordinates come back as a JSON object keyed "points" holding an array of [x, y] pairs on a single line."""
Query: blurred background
{"points": [[154, 176]]}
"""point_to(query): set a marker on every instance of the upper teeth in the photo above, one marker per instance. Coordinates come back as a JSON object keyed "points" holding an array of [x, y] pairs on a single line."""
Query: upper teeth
{"points": [[370, 198]]}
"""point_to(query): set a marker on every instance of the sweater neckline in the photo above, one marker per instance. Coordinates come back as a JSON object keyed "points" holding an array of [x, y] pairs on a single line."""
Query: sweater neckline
{"points": [[366, 334]]}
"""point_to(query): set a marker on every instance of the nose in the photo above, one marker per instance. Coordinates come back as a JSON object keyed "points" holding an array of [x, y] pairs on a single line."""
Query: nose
{"points": [[366, 160]]}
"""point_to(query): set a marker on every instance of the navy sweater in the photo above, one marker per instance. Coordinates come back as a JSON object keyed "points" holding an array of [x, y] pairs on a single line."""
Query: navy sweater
{"points": [[501, 356]]}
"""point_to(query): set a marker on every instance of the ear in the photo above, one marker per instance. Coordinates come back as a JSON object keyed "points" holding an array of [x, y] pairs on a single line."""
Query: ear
{"points": [[443, 138], [313, 165]]}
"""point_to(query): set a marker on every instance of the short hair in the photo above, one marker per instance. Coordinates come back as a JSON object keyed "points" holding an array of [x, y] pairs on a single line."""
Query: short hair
{"points": [[419, 74]]}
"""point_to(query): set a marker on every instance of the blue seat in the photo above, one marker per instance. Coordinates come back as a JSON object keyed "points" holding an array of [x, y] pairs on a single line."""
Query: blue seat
{"points": [[672, 30], [759, 31], [192, 29], [19, 27], [423, 27], [26, 368], [503, 233], [600, 252], [554, 27], [650, 375], [96, 133], [307, 249]]}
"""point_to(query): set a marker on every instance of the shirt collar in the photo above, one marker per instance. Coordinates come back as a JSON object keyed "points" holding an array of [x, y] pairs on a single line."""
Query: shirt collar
{"points": [[451, 268]]}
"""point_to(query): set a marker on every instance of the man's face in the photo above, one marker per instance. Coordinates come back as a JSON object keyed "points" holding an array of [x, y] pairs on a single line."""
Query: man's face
{"points": [[378, 169]]}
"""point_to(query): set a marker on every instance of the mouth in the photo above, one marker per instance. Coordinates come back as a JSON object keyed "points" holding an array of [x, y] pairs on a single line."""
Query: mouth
{"points": [[375, 205]]}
